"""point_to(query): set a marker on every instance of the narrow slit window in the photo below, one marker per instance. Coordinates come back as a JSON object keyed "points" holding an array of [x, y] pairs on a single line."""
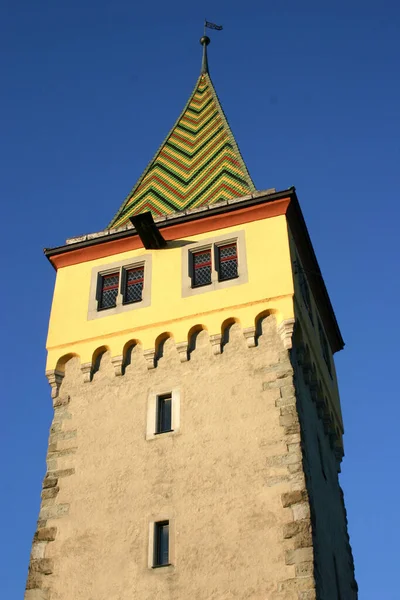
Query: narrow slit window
{"points": [[161, 544], [109, 290], [227, 261], [164, 413], [201, 268], [134, 279]]}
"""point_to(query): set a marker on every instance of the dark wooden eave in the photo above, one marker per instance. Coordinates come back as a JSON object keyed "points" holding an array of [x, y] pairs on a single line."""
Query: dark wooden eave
{"points": [[148, 231]]}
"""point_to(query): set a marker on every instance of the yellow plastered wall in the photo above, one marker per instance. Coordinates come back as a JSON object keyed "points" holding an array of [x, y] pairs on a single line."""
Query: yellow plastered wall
{"points": [[269, 287]]}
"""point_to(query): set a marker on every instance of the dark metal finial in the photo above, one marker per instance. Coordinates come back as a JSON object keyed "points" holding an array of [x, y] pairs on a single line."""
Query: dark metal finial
{"points": [[204, 41]]}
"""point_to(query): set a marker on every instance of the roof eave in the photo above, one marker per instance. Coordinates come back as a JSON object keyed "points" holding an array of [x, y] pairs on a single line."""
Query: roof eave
{"points": [[296, 222], [175, 219]]}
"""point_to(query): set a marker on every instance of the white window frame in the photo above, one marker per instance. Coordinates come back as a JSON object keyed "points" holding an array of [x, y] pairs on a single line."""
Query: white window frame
{"points": [[171, 542], [152, 416], [121, 266]]}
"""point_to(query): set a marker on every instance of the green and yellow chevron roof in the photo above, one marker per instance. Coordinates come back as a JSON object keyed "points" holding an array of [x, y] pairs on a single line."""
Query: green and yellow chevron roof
{"points": [[199, 162]]}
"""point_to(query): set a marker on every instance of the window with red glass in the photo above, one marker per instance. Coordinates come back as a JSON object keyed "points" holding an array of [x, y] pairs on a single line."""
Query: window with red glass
{"points": [[109, 286], [201, 274], [133, 287], [227, 261]]}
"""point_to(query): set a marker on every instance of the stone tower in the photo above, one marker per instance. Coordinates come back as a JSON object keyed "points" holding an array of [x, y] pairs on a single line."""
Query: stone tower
{"points": [[197, 432]]}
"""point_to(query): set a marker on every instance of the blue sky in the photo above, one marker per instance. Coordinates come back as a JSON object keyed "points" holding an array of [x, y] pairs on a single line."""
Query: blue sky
{"points": [[312, 93]]}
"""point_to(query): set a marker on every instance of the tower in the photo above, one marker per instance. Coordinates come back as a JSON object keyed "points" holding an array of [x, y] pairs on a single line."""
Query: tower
{"points": [[197, 431]]}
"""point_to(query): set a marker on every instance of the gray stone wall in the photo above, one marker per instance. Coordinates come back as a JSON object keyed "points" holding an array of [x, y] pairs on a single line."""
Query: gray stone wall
{"points": [[230, 479], [322, 454]]}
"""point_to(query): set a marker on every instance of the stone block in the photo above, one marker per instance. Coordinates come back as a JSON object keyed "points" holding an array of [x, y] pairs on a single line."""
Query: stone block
{"points": [[61, 401], [288, 420], [282, 460], [249, 335], [196, 210], [276, 383], [49, 482], [55, 427], [65, 452], [292, 429], [307, 595], [295, 528], [43, 566], [303, 584], [285, 372], [34, 580], [59, 435], [241, 199], [276, 480], [50, 493], [41, 524], [48, 501], [305, 569], [297, 480], [54, 512], [51, 464], [46, 534], [287, 391], [296, 467], [268, 379], [294, 447], [301, 511], [293, 497], [281, 402], [291, 529], [61, 413], [300, 555], [292, 439], [36, 595], [61, 473], [38, 549], [303, 540]]}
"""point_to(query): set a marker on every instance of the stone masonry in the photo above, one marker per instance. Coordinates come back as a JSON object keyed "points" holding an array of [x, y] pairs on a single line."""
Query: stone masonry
{"points": [[235, 478]]}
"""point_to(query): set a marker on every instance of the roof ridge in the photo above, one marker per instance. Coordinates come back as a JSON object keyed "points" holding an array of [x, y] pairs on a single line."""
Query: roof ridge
{"points": [[233, 140]]}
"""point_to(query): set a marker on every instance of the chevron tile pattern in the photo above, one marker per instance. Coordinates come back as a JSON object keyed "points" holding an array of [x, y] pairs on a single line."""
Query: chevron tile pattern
{"points": [[199, 163]]}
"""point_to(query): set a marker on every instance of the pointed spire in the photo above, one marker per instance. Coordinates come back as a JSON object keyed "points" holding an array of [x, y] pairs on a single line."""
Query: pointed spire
{"points": [[198, 163], [204, 41]]}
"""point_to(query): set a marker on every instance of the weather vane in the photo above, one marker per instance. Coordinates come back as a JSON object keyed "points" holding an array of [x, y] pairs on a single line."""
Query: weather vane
{"points": [[209, 25]]}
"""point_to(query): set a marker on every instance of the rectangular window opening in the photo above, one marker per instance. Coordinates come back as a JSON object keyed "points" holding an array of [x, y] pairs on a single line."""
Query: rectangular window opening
{"points": [[134, 279], [164, 413], [201, 268], [227, 261], [161, 544], [109, 290]]}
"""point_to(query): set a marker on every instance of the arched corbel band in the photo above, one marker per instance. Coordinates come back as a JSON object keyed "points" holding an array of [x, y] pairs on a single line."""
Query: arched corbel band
{"points": [[152, 355]]}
